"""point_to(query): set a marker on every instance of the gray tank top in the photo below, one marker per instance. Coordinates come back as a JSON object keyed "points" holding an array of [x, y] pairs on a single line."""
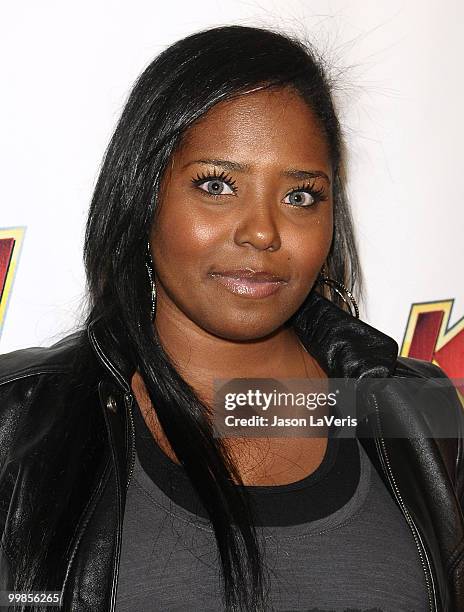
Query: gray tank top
{"points": [[361, 556]]}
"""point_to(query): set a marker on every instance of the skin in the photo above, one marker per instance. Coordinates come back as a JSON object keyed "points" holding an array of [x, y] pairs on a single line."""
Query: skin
{"points": [[207, 331]]}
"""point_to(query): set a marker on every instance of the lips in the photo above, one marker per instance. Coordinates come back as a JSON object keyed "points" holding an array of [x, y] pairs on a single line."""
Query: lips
{"points": [[250, 283], [254, 275]]}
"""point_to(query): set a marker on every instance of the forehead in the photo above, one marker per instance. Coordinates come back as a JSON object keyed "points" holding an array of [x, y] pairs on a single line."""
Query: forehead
{"points": [[262, 126]]}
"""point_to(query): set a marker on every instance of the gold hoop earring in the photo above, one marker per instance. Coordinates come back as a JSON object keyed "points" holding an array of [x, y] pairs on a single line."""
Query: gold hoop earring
{"points": [[149, 266], [338, 287]]}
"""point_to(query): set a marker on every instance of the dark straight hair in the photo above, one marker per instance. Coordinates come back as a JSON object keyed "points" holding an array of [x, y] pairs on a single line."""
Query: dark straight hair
{"points": [[178, 87]]}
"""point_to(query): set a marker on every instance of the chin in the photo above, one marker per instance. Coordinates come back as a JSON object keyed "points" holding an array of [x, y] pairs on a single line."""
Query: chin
{"points": [[243, 328]]}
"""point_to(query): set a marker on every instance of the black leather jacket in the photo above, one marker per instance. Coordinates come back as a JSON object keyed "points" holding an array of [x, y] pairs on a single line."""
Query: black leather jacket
{"points": [[67, 450]]}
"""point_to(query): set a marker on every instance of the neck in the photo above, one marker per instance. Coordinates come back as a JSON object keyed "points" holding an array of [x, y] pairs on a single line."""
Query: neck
{"points": [[200, 357]]}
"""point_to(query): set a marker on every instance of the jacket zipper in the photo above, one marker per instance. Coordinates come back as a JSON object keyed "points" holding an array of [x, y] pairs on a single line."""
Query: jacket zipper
{"points": [[128, 399], [415, 531]]}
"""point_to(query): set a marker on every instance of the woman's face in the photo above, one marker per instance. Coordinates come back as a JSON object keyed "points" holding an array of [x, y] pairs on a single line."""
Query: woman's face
{"points": [[249, 188]]}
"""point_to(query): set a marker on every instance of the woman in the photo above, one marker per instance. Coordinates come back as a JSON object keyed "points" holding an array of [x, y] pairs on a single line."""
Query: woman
{"points": [[219, 245]]}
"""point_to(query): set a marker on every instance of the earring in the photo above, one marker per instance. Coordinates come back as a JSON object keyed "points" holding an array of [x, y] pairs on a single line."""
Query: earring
{"points": [[338, 287], [149, 266]]}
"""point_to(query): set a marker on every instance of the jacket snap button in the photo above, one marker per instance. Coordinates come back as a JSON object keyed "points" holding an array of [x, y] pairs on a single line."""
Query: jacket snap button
{"points": [[111, 404]]}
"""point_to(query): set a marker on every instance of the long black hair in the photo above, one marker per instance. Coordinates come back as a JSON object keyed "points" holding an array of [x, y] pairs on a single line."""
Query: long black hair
{"points": [[178, 87]]}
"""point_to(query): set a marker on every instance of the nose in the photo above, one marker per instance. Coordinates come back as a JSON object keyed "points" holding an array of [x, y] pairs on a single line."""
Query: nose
{"points": [[258, 227]]}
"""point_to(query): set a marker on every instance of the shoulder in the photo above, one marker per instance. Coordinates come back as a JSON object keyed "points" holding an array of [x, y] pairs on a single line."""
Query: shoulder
{"points": [[436, 399], [32, 361], [41, 387], [410, 366], [33, 373], [433, 380], [419, 400], [428, 381]]}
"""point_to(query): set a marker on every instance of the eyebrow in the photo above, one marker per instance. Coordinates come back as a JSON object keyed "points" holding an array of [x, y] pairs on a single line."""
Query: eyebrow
{"points": [[238, 167]]}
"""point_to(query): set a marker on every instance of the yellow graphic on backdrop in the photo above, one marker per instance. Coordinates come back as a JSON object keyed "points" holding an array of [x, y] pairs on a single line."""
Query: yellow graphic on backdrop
{"points": [[11, 240], [429, 337]]}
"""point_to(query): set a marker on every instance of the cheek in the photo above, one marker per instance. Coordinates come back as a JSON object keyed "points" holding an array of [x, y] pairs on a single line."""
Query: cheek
{"points": [[183, 238], [308, 248]]}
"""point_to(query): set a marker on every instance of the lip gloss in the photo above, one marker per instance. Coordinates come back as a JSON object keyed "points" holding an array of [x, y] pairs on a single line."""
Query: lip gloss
{"points": [[248, 287]]}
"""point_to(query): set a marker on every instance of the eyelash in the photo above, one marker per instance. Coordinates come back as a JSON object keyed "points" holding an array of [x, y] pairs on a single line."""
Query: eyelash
{"points": [[317, 194], [203, 178]]}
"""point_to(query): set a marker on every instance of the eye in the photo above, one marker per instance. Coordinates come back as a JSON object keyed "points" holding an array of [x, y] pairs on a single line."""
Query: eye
{"points": [[215, 184], [300, 198], [216, 187], [305, 196]]}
